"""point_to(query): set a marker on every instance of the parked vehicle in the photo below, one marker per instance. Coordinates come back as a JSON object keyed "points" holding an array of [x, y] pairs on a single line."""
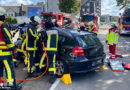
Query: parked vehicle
{"points": [[60, 18], [124, 22], [95, 18], [78, 52]]}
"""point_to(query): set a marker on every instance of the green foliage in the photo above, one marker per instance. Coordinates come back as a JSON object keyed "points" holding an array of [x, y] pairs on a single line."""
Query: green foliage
{"points": [[123, 3], [70, 6], [11, 20], [102, 19], [116, 19]]}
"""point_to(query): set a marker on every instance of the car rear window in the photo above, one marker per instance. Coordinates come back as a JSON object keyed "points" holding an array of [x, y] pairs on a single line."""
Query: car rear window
{"points": [[90, 40]]}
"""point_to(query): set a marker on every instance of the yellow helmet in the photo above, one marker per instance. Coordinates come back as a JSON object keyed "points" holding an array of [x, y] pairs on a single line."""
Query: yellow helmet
{"points": [[20, 22], [90, 23]]}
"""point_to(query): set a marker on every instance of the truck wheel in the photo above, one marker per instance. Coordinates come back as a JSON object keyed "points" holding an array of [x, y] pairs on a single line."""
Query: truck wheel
{"points": [[61, 68]]}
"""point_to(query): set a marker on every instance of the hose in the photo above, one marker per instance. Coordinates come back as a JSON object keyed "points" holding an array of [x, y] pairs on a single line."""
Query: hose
{"points": [[42, 73], [120, 50]]}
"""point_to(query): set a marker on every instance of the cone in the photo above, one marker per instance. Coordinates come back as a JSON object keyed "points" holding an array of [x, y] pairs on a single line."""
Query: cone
{"points": [[66, 79], [103, 67]]}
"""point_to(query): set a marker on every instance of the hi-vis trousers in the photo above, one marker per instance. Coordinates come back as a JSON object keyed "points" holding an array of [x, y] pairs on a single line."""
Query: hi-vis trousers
{"points": [[7, 62], [51, 62], [31, 56]]}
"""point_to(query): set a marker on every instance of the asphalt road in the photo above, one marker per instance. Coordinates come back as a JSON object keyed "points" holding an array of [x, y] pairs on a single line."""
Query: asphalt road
{"points": [[106, 79]]}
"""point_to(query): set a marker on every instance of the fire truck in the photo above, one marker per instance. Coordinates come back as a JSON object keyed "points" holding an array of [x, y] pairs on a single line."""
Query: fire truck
{"points": [[60, 18], [86, 18], [124, 22]]}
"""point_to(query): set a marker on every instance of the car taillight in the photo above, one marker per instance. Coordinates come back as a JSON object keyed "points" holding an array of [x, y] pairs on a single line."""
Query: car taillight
{"points": [[78, 51]]}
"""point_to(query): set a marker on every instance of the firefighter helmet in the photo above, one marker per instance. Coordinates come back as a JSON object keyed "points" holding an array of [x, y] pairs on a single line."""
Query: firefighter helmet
{"points": [[36, 19], [90, 23], [53, 20], [20, 22], [2, 11]]}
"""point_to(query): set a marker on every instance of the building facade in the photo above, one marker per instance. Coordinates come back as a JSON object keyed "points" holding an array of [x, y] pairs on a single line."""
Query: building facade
{"points": [[91, 6], [24, 10], [52, 6]]}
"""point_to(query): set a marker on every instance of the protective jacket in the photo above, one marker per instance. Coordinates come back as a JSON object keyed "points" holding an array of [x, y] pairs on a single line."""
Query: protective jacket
{"points": [[31, 38], [6, 43], [50, 38], [21, 32], [113, 36], [93, 29]]}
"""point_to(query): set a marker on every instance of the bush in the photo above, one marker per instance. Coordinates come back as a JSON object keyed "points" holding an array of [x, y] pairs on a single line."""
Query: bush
{"points": [[11, 20]]}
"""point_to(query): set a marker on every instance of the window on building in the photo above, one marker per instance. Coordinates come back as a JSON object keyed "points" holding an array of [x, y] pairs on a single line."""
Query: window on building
{"points": [[83, 9]]}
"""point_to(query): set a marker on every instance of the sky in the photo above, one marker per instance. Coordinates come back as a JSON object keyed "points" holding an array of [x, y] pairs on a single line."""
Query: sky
{"points": [[108, 6]]}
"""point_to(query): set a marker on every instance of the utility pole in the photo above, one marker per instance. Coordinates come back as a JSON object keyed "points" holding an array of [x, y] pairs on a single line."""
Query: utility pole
{"points": [[46, 5]]}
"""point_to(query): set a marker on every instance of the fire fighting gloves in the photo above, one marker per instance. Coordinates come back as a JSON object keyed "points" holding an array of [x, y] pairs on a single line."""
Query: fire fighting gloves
{"points": [[106, 42], [114, 45]]}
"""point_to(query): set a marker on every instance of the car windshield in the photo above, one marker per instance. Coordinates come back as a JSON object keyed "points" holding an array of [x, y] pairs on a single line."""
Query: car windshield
{"points": [[126, 20], [48, 17], [88, 18]]}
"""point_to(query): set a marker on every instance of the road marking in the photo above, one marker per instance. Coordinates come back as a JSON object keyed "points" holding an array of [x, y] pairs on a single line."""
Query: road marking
{"points": [[55, 84]]}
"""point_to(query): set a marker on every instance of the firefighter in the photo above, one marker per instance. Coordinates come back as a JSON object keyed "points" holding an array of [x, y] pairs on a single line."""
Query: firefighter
{"points": [[92, 28], [19, 29], [50, 39], [82, 27], [31, 43], [112, 40], [6, 48], [54, 21]]}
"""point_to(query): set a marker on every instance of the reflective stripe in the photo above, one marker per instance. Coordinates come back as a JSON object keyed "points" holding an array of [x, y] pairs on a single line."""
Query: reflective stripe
{"points": [[28, 67], [35, 41], [21, 51], [4, 47], [9, 35], [31, 48], [51, 49], [32, 69], [5, 53], [14, 60], [91, 29], [54, 64], [52, 70], [42, 60], [2, 42], [33, 33], [50, 32], [48, 41], [36, 64], [8, 69], [10, 45], [23, 44]]}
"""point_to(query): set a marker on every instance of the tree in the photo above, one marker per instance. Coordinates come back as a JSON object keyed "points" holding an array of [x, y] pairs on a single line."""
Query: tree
{"points": [[70, 6], [123, 3], [102, 19], [11, 20]]}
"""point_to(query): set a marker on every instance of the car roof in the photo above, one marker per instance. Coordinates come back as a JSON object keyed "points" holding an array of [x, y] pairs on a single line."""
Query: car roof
{"points": [[71, 33]]}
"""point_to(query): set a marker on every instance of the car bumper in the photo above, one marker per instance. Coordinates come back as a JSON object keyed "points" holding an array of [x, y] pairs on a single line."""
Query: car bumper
{"points": [[85, 65], [124, 31]]}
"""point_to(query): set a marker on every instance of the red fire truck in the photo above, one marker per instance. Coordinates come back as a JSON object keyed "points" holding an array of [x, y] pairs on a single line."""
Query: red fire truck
{"points": [[86, 18], [124, 22], [60, 17]]}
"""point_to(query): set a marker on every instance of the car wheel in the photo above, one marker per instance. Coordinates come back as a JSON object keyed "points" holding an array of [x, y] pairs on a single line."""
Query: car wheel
{"points": [[61, 68]]}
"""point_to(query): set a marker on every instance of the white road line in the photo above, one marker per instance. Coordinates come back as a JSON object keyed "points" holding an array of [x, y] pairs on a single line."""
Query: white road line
{"points": [[54, 85]]}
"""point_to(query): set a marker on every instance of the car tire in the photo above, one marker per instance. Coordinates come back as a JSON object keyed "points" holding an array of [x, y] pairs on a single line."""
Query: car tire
{"points": [[61, 68]]}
